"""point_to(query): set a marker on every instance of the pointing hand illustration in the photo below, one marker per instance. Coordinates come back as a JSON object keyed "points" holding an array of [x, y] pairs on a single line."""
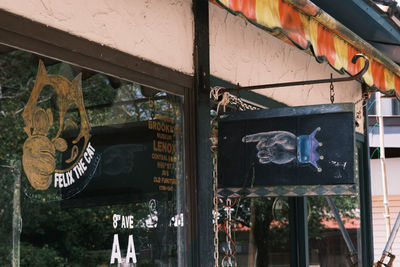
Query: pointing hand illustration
{"points": [[278, 147], [281, 147]]}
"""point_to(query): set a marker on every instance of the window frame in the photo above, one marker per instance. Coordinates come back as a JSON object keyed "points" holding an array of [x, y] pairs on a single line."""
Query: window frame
{"points": [[24, 34]]}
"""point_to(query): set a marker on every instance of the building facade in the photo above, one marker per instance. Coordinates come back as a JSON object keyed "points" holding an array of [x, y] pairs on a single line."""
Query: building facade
{"points": [[105, 119]]}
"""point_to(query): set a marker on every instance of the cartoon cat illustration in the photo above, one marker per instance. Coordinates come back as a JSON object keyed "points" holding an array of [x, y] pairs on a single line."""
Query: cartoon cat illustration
{"points": [[38, 150]]}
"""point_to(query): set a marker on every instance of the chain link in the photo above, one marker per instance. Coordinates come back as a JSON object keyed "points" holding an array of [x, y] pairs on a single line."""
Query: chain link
{"points": [[223, 100], [242, 106], [363, 98], [332, 92], [214, 145], [228, 253], [359, 112], [215, 202]]}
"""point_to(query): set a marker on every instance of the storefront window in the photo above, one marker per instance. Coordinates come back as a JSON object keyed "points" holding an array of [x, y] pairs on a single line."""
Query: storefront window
{"points": [[91, 167], [260, 232], [326, 242]]}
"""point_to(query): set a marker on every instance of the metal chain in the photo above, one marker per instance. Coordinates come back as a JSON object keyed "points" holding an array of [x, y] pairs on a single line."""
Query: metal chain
{"points": [[363, 99], [237, 101], [223, 100], [226, 98], [228, 253], [214, 93], [229, 230], [332, 92], [215, 202]]}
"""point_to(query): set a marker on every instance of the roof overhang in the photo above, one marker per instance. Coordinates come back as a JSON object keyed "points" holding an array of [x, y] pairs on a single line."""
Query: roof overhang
{"points": [[368, 20], [306, 26]]}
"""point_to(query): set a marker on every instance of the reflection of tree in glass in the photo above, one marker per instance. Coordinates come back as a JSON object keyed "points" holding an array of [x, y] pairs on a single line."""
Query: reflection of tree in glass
{"points": [[53, 235], [271, 234]]}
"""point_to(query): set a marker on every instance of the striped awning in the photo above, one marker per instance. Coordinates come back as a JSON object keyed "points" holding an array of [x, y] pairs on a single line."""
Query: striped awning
{"points": [[306, 26]]}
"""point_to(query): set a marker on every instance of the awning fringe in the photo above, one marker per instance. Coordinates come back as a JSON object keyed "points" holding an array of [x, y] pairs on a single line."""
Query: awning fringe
{"points": [[309, 28]]}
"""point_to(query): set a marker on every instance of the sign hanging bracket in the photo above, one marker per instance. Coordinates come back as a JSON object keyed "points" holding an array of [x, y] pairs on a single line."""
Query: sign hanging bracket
{"points": [[288, 84]]}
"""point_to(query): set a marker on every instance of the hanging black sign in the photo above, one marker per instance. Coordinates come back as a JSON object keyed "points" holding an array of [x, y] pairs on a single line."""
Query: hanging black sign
{"points": [[310, 145]]}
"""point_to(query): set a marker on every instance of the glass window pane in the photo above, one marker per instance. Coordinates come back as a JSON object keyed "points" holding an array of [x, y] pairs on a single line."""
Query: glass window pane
{"points": [[260, 231], [101, 167], [326, 242]]}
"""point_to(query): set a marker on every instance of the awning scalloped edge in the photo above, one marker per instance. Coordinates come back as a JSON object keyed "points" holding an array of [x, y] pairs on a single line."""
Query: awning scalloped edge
{"points": [[309, 28]]}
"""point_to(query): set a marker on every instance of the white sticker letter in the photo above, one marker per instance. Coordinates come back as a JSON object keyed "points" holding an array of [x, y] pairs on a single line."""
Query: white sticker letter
{"points": [[130, 252], [116, 252]]}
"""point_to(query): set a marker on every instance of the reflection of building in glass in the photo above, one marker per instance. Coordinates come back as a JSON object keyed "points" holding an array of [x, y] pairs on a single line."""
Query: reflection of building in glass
{"points": [[145, 60]]}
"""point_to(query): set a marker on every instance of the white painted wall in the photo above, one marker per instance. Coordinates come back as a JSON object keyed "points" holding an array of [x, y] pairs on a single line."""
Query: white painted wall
{"points": [[379, 225], [392, 136], [393, 178], [242, 53], [160, 31]]}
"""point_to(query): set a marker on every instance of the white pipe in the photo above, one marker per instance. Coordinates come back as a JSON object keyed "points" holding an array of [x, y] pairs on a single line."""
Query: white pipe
{"points": [[383, 164]]}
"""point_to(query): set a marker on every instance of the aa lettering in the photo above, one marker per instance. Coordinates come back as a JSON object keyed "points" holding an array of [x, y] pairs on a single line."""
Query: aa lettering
{"points": [[116, 251]]}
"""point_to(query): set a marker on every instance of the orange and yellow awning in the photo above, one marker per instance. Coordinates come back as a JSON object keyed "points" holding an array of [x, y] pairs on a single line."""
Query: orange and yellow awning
{"points": [[304, 25]]}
